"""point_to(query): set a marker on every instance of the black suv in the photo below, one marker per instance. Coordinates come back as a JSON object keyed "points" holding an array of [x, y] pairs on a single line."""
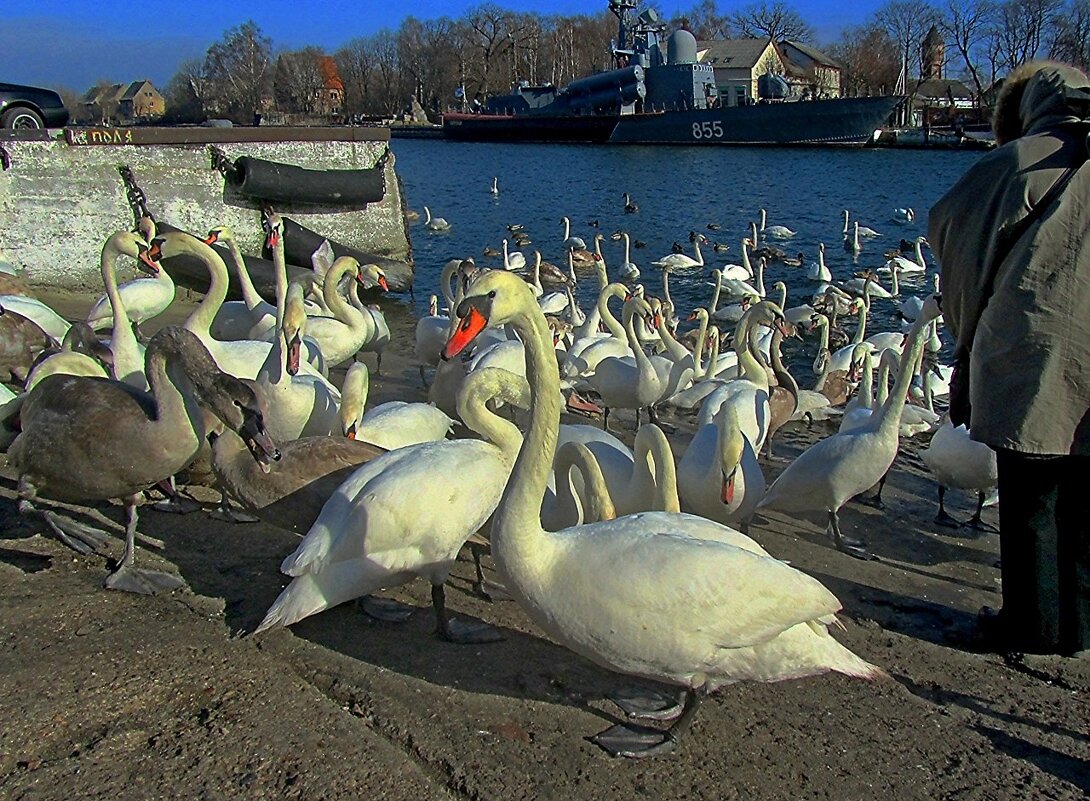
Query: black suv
{"points": [[31, 107]]}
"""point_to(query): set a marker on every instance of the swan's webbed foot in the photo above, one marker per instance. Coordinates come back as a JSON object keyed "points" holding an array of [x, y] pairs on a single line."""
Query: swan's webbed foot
{"points": [[875, 502], [80, 537], [943, 519], [143, 582], [977, 524], [386, 609], [230, 514], [850, 545], [634, 742], [462, 633], [646, 704], [452, 630], [176, 504]]}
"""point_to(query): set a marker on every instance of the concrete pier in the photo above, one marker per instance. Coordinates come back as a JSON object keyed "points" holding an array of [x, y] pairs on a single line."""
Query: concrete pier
{"points": [[61, 194]]}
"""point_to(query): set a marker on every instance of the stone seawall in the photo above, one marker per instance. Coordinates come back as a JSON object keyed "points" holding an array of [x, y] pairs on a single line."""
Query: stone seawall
{"points": [[61, 194]]}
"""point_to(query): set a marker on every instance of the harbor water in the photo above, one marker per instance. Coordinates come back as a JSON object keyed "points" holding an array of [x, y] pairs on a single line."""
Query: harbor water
{"points": [[678, 190]]}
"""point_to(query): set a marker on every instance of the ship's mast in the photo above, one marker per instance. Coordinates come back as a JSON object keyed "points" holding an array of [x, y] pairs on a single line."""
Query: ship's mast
{"points": [[623, 10]]}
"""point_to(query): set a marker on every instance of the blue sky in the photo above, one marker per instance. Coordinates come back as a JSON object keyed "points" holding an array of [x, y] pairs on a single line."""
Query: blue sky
{"points": [[75, 44]]}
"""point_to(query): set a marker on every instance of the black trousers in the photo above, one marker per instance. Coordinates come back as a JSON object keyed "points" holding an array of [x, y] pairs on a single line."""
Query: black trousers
{"points": [[1045, 550]]}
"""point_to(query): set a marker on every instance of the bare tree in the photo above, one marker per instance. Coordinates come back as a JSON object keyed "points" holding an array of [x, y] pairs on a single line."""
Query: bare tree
{"points": [[185, 93], [965, 24], [239, 71], [1019, 30], [776, 21], [906, 22], [298, 79], [356, 65], [1071, 35], [870, 60], [703, 21]]}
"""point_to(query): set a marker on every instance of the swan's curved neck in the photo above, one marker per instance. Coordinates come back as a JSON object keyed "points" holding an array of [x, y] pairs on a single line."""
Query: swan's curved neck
{"points": [[654, 474], [334, 301], [611, 323], [866, 382], [744, 345], [890, 414], [783, 294], [745, 256], [122, 329], [714, 304], [200, 320], [444, 282], [783, 375], [626, 258], [846, 229], [861, 331], [517, 525], [919, 254], [250, 296], [598, 504], [713, 354], [761, 277], [473, 410]]}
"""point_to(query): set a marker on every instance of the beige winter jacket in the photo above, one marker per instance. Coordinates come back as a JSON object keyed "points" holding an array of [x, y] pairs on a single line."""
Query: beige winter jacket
{"points": [[1030, 340]]}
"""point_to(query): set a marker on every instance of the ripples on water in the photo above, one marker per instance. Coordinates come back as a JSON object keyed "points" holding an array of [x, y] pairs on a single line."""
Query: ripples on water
{"points": [[677, 189]]}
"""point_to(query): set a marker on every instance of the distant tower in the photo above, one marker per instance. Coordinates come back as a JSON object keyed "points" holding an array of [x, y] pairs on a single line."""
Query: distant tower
{"points": [[932, 55]]}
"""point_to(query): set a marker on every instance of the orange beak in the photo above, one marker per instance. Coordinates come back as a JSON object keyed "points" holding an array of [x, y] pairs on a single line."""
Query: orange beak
{"points": [[351, 433], [274, 238], [727, 495], [212, 238], [147, 263], [294, 348], [382, 283], [471, 325]]}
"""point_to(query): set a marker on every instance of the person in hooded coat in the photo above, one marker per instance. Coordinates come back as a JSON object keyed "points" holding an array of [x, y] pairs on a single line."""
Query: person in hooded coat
{"points": [[1015, 262]]}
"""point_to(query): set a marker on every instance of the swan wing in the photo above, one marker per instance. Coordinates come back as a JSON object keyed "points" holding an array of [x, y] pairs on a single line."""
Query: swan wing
{"points": [[717, 591]]}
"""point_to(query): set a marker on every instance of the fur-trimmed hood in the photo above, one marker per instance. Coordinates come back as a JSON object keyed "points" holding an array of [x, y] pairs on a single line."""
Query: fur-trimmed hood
{"points": [[1035, 96]]}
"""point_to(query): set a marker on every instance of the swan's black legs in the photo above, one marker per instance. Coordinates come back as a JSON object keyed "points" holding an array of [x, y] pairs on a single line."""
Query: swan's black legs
{"points": [[451, 630], [849, 545], [942, 518]]}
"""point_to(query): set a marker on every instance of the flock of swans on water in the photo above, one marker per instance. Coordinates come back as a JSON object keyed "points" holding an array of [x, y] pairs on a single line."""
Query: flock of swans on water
{"points": [[639, 562]]}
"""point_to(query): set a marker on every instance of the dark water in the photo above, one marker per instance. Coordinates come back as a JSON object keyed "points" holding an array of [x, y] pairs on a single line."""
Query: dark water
{"points": [[678, 189]]}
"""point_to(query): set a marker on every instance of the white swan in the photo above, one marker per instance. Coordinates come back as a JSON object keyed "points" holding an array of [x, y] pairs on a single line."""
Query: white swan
{"points": [[864, 231], [628, 270], [434, 223], [680, 261], [513, 261], [718, 475], [128, 354], [735, 288], [571, 242], [818, 271], [903, 216], [390, 425], [495, 190], [623, 384], [906, 265], [297, 404], [670, 597], [368, 537], [341, 336], [242, 358], [775, 231], [144, 298], [830, 472], [39, 313], [851, 241], [957, 461], [237, 319]]}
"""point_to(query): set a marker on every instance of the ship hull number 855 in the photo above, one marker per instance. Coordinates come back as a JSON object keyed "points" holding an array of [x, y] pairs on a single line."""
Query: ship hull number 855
{"points": [[708, 130]]}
